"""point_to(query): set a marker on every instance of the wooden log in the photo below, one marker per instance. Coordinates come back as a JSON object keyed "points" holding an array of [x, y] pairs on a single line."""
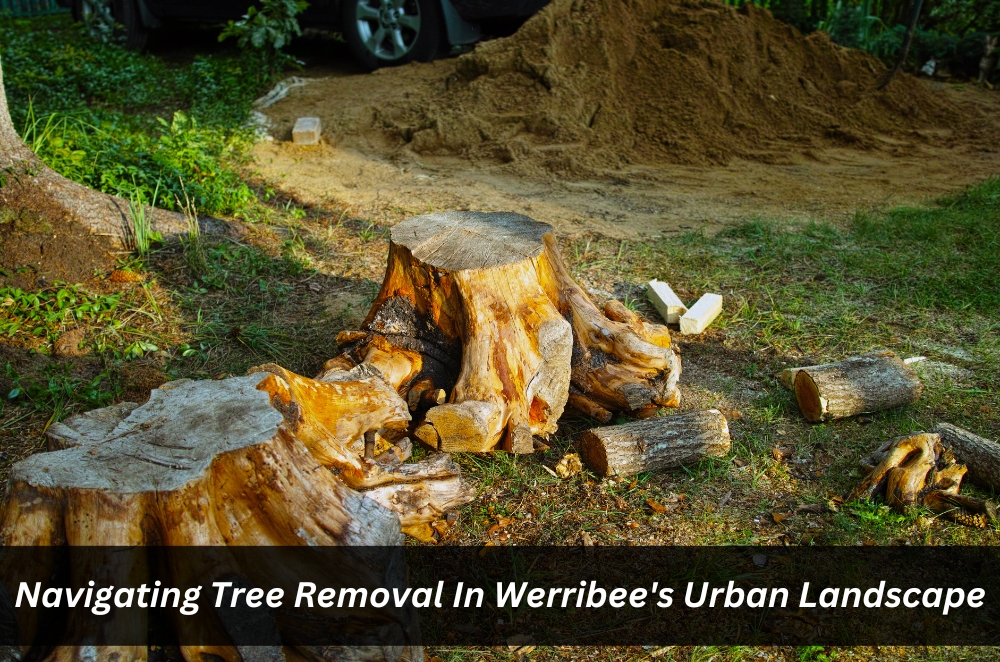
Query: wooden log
{"points": [[980, 455], [868, 383], [655, 443], [482, 307]]}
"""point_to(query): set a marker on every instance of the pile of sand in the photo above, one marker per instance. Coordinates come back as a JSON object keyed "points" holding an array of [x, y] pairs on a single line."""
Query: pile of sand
{"points": [[592, 84]]}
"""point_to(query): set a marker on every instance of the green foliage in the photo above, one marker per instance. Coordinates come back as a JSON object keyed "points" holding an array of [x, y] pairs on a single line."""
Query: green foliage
{"points": [[47, 312], [59, 391], [267, 29], [93, 112], [815, 654], [852, 25]]}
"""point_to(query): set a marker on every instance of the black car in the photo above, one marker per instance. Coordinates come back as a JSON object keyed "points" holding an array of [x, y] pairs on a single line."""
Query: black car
{"points": [[379, 32]]}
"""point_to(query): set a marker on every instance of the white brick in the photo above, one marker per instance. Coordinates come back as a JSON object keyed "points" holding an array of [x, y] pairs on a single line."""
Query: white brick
{"points": [[307, 131], [665, 301], [701, 314]]}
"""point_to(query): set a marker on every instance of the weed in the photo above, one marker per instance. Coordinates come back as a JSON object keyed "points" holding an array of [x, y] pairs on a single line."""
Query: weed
{"points": [[139, 234], [59, 391]]}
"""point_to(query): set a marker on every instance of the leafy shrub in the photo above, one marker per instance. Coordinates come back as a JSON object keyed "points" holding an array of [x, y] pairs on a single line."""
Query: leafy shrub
{"points": [[268, 29]]}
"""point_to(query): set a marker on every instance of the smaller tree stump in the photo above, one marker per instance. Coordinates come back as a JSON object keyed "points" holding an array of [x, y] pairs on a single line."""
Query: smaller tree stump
{"points": [[918, 470], [868, 383], [655, 443]]}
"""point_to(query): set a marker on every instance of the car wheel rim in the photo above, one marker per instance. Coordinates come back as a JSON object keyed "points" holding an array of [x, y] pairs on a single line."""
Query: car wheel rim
{"points": [[388, 28]]}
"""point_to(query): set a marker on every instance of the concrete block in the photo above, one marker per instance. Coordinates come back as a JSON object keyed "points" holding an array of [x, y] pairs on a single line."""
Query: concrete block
{"points": [[307, 131], [665, 301], [701, 314]]}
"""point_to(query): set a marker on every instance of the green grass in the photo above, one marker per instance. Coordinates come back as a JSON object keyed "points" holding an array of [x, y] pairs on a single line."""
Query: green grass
{"points": [[128, 123]]}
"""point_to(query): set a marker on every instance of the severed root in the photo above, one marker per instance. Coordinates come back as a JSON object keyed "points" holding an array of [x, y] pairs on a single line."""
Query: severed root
{"points": [[962, 509], [480, 309], [917, 470]]}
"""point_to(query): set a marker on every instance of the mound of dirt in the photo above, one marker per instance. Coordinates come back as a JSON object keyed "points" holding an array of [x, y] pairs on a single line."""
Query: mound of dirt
{"points": [[594, 84]]}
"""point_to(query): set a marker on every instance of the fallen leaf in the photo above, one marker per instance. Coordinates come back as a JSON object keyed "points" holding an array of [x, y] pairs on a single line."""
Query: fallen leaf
{"points": [[812, 508], [780, 517], [657, 506], [587, 540], [725, 499], [503, 521], [492, 530]]}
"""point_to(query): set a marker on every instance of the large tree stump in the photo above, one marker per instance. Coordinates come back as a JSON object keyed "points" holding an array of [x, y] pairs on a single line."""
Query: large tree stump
{"points": [[868, 383], [265, 459], [655, 443], [481, 306]]}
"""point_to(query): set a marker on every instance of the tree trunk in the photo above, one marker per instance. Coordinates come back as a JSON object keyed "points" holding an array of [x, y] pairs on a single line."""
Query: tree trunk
{"points": [[243, 462], [655, 443], [26, 177], [868, 383], [979, 454], [481, 306]]}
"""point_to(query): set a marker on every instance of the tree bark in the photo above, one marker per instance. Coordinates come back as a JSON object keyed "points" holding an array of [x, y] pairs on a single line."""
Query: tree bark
{"points": [[980, 455], [481, 306], [265, 459], [655, 443], [868, 383], [98, 213]]}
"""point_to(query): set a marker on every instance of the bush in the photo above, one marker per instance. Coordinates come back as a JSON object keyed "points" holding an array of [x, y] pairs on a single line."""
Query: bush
{"points": [[267, 30]]}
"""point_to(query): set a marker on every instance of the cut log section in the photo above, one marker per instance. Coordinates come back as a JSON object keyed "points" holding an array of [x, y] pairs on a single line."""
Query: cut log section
{"points": [[868, 383], [919, 470], [980, 455], [655, 443], [482, 307]]}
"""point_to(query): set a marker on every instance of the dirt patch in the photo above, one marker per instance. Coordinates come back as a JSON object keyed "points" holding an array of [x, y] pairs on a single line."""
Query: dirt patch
{"points": [[40, 244], [637, 119]]}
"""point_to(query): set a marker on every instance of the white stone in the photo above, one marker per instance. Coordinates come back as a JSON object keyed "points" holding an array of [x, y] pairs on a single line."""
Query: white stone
{"points": [[701, 314], [307, 131], [665, 301]]}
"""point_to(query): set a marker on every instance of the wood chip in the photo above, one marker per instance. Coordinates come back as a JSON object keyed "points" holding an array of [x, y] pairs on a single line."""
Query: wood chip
{"points": [[657, 506]]}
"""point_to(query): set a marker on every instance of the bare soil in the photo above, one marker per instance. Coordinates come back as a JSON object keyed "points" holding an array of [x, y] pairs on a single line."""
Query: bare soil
{"points": [[41, 245], [637, 119]]}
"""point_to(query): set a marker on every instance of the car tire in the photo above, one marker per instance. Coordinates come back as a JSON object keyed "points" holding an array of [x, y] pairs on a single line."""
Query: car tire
{"points": [[127, 13], [412, 30]]}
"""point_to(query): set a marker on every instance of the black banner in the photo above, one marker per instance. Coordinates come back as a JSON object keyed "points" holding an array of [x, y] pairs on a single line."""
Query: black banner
{"points": [[397, 596]]}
